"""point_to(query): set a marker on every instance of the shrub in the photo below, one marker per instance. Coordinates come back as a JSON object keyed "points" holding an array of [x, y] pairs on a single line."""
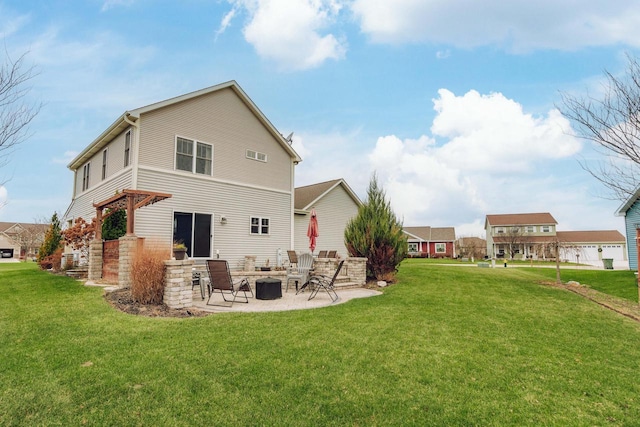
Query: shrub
{"points": [[52, 262], [52, 240], [376, 234], [147, 275], [80, 235], [115, 225]]}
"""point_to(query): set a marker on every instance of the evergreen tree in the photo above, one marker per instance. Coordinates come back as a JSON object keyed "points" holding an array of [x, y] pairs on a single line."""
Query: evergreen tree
{"points": [[115, 225], [52, 238], [376, 233]]}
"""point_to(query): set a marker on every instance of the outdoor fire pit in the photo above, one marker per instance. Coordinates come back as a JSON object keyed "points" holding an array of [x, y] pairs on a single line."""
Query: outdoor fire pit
{"points": [[268, 288]]}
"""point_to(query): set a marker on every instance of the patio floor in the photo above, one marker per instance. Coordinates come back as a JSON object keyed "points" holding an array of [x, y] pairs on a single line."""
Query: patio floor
{"points": [[289, 301]]}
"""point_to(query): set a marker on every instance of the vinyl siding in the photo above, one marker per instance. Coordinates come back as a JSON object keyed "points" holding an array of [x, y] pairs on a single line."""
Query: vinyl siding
{"points": [[632, 221], [238, 203], [334, 210], [82, 206], [221, 119], [115, 164]]}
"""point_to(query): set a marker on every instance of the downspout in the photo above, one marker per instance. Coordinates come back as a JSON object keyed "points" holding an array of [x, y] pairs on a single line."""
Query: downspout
{"points": [[292, 207], [134, 152]]}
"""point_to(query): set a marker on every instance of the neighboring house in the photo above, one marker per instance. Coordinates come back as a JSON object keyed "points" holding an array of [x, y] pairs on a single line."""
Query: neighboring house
{"points": [[20, 240], [431, 242], [630, 210], [335, 204], [591, 247], [471, 247], [228, 169], [520, 235]]}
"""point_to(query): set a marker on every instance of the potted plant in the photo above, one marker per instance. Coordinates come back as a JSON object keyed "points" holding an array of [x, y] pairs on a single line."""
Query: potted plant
{"points": [[179, 250]]}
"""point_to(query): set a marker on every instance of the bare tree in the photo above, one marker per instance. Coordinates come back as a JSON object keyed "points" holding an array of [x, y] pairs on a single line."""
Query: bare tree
{"points": [[515, 238], [612, 122], [16, 112]]}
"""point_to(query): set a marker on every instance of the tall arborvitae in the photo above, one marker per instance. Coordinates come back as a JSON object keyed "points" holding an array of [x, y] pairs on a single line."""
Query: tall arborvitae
{"points": [[52, 238], [376, 234]]}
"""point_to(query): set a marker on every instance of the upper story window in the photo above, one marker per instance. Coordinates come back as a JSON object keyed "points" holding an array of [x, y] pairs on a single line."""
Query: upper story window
{"points": [[259, 225], [515, 230], [530, 229], [193, 156], [546, 229], [499, 230], [86, 171], [254, 155], [104, 164], [127, 148]]}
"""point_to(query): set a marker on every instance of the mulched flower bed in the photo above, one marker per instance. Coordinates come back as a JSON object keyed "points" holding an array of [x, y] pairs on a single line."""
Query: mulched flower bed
{"points": [[122, 300]]}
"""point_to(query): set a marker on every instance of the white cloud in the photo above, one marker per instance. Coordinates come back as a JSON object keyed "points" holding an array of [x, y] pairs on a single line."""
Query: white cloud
{"points": [[485, 164], [66, 158], [517, 25], [3, 196], [109, 4], [492, 133], [291, 33]]}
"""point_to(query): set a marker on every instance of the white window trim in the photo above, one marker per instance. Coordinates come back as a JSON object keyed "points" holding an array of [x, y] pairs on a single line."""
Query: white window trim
{"points": [[412, 245], [444, 248], [260, 218], [105, 162], [195, 155], [86, 174], [255, 155], [127, 150]]}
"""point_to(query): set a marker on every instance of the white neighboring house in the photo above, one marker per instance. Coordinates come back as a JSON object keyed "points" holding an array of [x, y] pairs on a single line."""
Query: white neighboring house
{"points": [[591, 247], [335, 204], [228, 169]]}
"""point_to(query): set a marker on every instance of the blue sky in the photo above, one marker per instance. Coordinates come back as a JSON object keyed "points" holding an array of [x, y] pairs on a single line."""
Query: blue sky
{"points": [[451, 102]]}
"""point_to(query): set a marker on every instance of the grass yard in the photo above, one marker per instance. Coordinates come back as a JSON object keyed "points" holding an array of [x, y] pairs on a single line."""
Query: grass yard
{"points": [[619, 283], [444, 346]]}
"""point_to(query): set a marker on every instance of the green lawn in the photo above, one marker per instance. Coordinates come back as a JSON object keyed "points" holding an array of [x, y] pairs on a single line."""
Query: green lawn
{"points": [[620, 283], [444, 346]]}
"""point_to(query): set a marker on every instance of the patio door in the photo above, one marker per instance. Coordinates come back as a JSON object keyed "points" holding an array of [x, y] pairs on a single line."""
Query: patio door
{"points": [[194, 230]]}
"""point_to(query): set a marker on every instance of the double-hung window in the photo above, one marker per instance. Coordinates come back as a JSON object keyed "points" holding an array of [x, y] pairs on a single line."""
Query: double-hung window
{"points": [[104, 164], [193, 156], [86, 171], [127, 148], [413, 247], [441, 248], [259, 225], [546, 229]]}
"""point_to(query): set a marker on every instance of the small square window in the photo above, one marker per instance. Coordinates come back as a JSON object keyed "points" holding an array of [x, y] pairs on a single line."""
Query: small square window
{"points": [[259, 225]]}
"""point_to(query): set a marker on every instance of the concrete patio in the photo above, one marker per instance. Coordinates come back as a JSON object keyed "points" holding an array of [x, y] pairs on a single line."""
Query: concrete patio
{"points": [[289, 301]]}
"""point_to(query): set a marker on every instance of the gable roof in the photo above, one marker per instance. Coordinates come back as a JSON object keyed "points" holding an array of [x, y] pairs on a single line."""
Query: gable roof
{"points": [[431, 234], [594, 236], [626, 205], [543, 218], [129, 118], [307, 196], [8, 227]]}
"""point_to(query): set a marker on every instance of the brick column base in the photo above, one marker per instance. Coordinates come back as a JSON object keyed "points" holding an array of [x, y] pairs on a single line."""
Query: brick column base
{"points": [[95, 260]]}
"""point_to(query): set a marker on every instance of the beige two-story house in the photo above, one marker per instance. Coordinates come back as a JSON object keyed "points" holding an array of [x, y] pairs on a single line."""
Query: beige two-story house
{"points": [[229, 171], [519, 235]]}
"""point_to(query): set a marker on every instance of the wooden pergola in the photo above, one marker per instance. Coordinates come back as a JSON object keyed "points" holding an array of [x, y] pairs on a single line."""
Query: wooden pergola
{"points": [[129, 200]]}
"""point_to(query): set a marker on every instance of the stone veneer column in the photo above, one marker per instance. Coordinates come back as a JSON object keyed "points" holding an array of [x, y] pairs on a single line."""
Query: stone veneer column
{"points": [[357, 269], [127, 250], [177, 283], [95, 260]]}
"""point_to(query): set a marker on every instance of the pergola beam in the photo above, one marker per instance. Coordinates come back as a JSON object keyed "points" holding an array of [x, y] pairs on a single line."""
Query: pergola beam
{"points": [[129, 200]]}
